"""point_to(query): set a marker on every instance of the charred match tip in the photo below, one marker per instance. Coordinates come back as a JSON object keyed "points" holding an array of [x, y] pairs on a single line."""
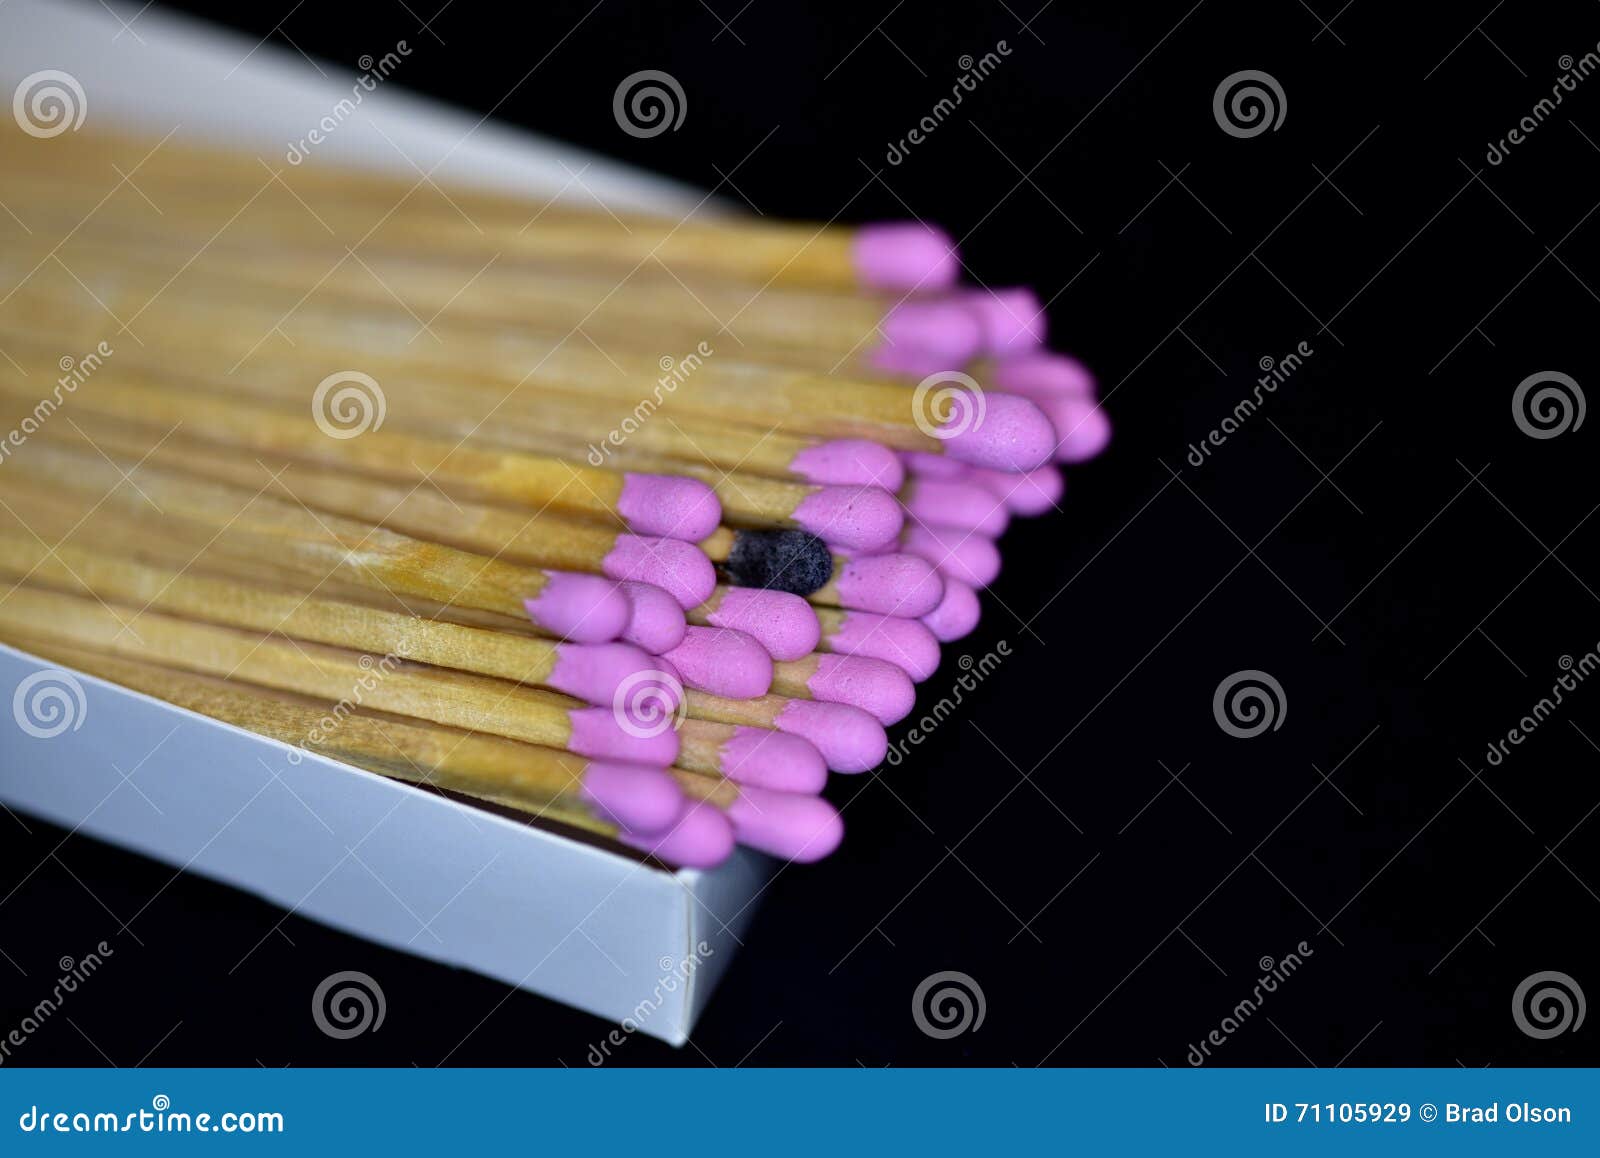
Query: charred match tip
{"points": [[791, 561]]}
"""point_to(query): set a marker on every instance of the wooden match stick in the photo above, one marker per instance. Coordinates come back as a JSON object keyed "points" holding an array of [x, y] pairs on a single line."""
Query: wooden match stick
{"points": [[207, 186], [281, 535]]}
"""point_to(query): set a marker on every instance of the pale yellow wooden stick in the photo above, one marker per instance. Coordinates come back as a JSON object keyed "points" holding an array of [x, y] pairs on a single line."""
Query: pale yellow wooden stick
{"points": [[1006, 433], [206, 188], [284, 535]]}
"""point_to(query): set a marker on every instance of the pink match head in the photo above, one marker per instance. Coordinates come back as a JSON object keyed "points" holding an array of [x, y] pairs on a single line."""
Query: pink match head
{"points": [[1042, 374], [780, 621], [1082, 428], [785, 824], [921, 464], [967, 505], [861, 517], [872, 685], [594, 671], [896, 584], [849, 739], [1012, 320], [962, 555], [722, 662], [1031, 493], [669, 506], [656, 623], [677, 567], [904, 255], [631, 796], [849, 462], [604, 734], [701, 838], [999, 431], [916, 335], [906, 643], [769, 759], [582, 608], [957, 613]]}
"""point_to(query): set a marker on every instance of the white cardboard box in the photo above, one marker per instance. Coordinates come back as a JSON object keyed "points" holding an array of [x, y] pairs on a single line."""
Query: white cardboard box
{"points": [[395, 864]]}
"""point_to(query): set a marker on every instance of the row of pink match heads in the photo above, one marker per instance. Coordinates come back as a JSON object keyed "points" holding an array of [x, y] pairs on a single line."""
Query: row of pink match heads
{"points": [[913, 537]]}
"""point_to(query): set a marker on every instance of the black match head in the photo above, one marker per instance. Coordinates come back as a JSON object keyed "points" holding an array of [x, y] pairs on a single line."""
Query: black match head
{"points": [[790, 561]]}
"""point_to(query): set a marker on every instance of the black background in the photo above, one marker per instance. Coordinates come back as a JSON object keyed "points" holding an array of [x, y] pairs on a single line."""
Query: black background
{"points": [[1084, 841]]}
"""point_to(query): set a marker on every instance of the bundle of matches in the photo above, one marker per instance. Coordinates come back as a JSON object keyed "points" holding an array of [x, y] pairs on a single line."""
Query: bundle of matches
{"points": [[633, 525]]}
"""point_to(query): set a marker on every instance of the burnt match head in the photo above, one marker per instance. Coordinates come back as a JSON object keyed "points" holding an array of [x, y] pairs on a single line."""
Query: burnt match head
{"points": [[790, 561]]}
